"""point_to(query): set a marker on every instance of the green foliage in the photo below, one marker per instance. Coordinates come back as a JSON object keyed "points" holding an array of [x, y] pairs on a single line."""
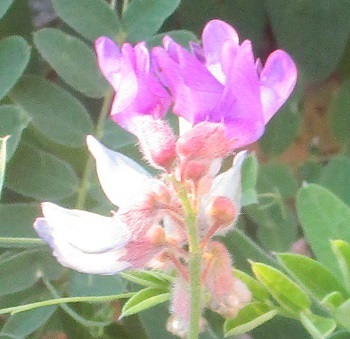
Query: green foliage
{"points": [[318, 209], [53, 111], [143, 18], [52, 95], [90, 18], [14, 57], [71, 63], [306, 29]]}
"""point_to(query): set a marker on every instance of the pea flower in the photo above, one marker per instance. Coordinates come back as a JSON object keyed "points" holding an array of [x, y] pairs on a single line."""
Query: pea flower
{"points": [[130, 72], [222, 83]]}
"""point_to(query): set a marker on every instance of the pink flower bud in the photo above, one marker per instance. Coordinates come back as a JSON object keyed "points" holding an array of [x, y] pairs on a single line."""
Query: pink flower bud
{"points": [[227, 294], [205, 141], [157, 141], [222, 211], [179, 321]]}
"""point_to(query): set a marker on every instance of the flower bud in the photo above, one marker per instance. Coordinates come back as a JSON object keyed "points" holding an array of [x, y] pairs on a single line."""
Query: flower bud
{"points": [[205, 141], [223, 211], [227, 294], [157, 142]]}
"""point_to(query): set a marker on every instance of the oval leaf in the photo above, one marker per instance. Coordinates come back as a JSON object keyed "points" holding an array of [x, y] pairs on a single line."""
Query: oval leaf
{"points": [[318, 327], [285, 291], [341, 249], [37, 174], [4, 6], [342, 314], [75, 63], [90, 18], [312, 24], [12, 121], [248, 318], [143, 18], [14, 57], [54, 111], [311, 274], [258, 290], [323, 216], [144, 299]]}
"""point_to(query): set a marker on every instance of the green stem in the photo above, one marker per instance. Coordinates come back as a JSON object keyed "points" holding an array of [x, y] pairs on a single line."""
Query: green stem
{"points": [[194, 266], [85, 181]]}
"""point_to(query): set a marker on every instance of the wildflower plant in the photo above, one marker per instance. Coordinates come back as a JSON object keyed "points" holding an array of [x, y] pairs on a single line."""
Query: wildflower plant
{"points": [[217, 217], [170, 222]]}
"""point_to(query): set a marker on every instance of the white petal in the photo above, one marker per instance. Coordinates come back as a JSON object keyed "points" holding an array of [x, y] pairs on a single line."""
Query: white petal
{"points": [[228, 184], [87, 232], [72, 257], [102, 263], [120, 176]]}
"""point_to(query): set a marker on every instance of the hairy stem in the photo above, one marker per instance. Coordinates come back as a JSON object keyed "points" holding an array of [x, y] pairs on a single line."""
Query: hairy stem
{"points": [[194, 265]]}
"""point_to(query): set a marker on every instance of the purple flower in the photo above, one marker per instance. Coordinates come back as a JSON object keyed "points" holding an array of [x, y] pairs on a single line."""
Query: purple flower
{"points": [[221, 82], [129, 71]]}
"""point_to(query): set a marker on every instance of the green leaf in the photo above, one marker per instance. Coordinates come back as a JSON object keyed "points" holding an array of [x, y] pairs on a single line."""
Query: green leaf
{"points": [[182, 37], [277, 179], [277, 228], [288, 120], [248, 318], [81, 284], [340, 121], [341, 250], [12, 122], [290, 296], [115, 137], [332, 300], [14, 57], [3, 157], [310, 171], [318, 327], [20, 271], [16, 219], [258, 290], [144, 299], [323, 217], [22, 324], [90, 18], [312, 24], [75, 63], [54, 111], [249, 179], [152, 279], [335, 177], [35, 173], [341, 314], [243, 248], [143, 18], [316, 278], [4, 6]]}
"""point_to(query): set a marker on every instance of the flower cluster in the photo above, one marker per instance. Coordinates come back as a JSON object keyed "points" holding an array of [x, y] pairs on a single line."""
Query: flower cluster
{"points": [[224, 98]]}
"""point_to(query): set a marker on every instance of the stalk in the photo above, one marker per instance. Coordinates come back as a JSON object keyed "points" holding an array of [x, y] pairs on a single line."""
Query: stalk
{"points": [[194, 265]]}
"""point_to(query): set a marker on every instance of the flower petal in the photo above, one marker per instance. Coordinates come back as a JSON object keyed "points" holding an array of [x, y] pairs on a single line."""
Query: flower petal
{"points": [[228, 184], [195, 91], [120, 176], [118, 70], [240, 108], [92, 263], [278, 79], [215, 34], [85, 231]]}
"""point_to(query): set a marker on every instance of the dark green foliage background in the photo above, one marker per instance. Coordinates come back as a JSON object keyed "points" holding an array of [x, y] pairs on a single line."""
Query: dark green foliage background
{"points": [[52, 93]]}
